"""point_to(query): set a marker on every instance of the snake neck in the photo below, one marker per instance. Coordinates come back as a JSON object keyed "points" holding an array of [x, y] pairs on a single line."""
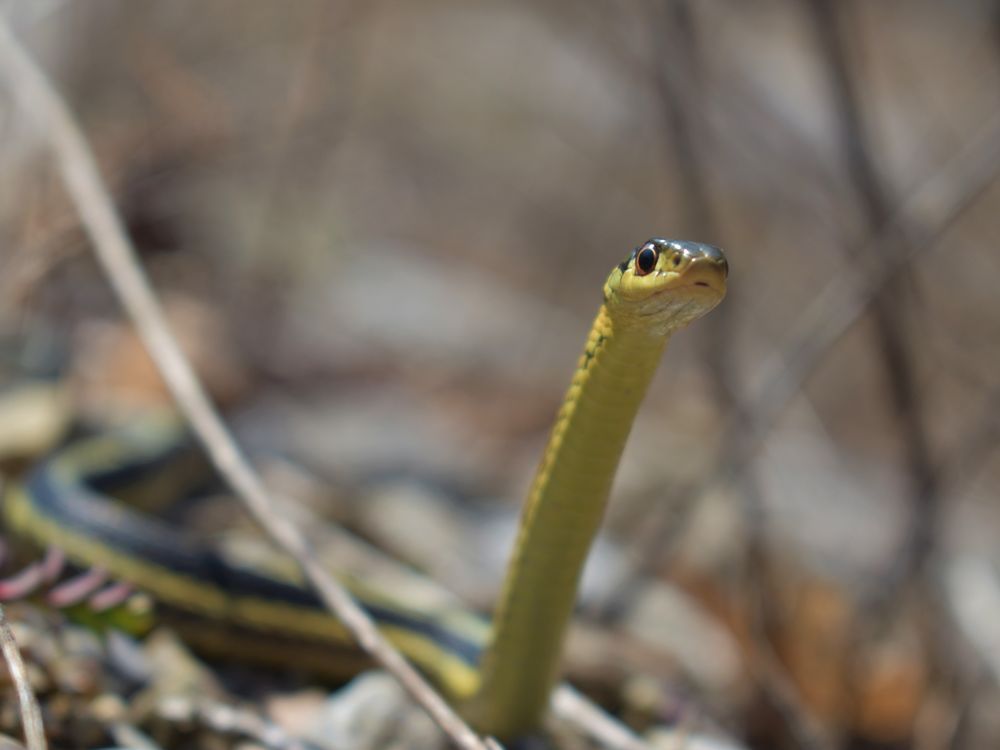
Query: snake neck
{"points": [[560, 518]]}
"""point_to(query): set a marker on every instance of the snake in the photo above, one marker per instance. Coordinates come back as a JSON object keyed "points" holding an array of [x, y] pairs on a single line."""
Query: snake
{"points": [[499, 672]]}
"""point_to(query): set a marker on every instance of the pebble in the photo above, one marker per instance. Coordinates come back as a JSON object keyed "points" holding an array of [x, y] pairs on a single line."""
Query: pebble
{"points": [[373, 713]]}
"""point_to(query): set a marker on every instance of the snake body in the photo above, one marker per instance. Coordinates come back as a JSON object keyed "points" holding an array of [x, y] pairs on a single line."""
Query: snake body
{"points": [[501, 676], [658, 289]]}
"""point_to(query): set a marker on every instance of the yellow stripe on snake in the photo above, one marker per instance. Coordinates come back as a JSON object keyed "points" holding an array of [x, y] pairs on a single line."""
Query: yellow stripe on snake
{"points": [[500, 676]]}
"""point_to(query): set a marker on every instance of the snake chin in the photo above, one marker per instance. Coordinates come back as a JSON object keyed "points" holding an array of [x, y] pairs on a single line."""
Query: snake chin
{"points": [[672, 309]]}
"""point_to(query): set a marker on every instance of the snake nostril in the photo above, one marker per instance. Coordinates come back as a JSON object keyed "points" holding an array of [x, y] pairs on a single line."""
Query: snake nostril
{"points": [[715, 254]]}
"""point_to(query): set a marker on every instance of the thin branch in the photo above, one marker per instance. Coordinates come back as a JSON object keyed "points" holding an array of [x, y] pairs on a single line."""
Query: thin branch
{"points": [[679, 76], [230, 720], [888, 306], [114, 251], [31, 717], [570, 706], [567, 704]]}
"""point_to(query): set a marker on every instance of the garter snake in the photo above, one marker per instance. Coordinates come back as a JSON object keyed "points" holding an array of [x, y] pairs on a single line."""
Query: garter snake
{"points": [[501, 676]]}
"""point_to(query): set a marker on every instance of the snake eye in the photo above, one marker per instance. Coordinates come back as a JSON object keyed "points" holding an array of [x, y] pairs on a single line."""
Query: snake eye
{"points": [[645, 261]]}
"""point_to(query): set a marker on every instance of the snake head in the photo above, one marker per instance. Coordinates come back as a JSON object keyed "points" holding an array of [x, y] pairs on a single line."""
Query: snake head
{"points": [[665, 284]]}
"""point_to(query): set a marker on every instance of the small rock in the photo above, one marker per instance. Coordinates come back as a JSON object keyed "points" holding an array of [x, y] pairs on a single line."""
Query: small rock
{"points": [[371, 712]]}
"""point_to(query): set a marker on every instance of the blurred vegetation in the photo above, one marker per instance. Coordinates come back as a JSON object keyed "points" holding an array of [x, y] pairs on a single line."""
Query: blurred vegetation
{"points": [[381, 229]]}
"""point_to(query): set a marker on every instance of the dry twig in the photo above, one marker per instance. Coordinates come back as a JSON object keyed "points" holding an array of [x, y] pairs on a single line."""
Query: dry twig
{"points": [[31, 717], [679, 77], [888, 307]]}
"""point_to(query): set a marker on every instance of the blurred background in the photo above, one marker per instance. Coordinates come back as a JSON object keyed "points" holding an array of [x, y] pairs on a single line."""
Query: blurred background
{"points": [[381, 230]]}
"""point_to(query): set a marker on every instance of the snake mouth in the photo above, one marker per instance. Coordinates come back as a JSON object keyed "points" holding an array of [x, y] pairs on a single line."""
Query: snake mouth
{"points": [[701, 286], [704, 276]]}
